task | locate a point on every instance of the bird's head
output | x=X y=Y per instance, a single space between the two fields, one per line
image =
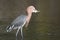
x=32 y=9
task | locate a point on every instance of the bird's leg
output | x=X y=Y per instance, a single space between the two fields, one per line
x=21 y=33
x=17 y=32
x=26 y=24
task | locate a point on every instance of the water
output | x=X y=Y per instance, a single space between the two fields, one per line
x=45 y=26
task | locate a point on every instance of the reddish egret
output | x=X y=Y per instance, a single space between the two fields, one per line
x=22 y=20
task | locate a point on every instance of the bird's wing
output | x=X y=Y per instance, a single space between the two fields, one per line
x=19 y=21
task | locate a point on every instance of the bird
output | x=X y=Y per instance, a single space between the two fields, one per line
x=21 y=21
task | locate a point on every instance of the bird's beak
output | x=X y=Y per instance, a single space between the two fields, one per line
x=35 y=11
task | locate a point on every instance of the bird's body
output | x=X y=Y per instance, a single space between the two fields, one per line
x=21 y=20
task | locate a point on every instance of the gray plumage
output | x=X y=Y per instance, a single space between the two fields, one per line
x=19 y=21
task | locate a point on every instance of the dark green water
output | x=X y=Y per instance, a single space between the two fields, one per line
x=44 y=26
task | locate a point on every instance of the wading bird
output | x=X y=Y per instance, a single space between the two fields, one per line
x=21 y=20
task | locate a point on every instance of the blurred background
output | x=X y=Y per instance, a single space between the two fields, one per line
x=43 y=26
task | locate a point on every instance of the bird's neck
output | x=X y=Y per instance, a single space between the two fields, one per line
x=28 y=19
x=29 y=16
